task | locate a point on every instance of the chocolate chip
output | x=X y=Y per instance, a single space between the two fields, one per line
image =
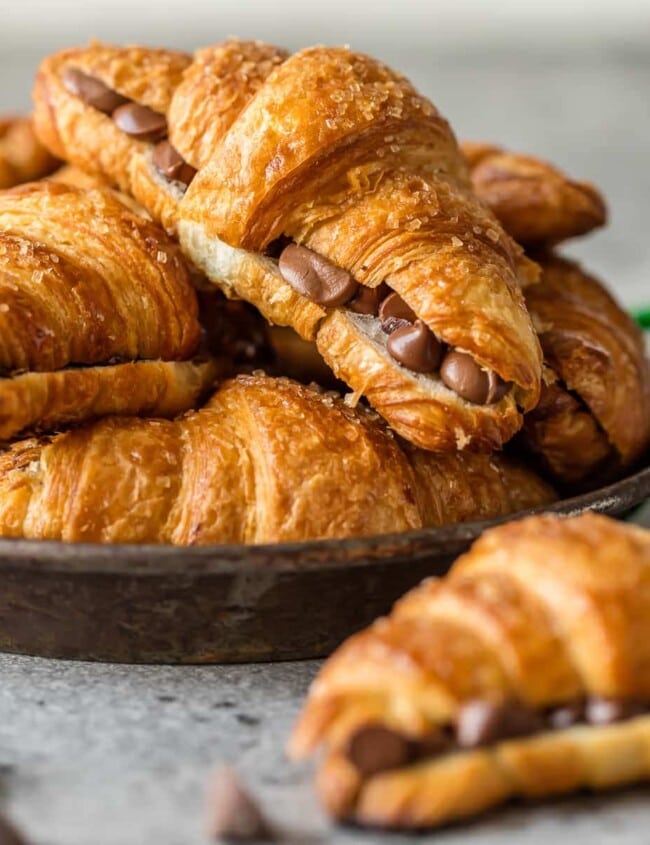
x=171 y=163
x=368 y=300
x=566 y=715
x=374 y=748
x=92 y=90
x=232 y=814
x=482 y=722
x=416 y=347
x=141 y=122
x=437 y=742
x=315 y=277
x=606 y=711
x=464 y=376
x=395 y=314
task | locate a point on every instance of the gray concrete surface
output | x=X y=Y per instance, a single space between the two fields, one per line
x=116 y=755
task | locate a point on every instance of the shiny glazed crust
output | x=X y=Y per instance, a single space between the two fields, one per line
x=48 y=401
x=535 y=202
x=225 y=474
x=22 y=157
x=89 y=139
x=365 y=172
x=85 y=280
x=361 y=169
x=594 y=417
x=546 y=610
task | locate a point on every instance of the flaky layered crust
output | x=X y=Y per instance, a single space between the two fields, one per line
x=226 y=474
x=83 y=280
x=365 y=172
x=594 y=417
x=536 y=203
x=545 y=610
x=22 y=157
x=42 y=401
x=359 y=168
x=97 y=312
x=200 y=96
x=88 y=138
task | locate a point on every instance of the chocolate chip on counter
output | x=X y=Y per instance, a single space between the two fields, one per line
x=171 y=163
x=368 y=300
x=315 y=277
x=482 y=722
x=9 y=835
x=232 y=814
x=464 y=376
x=607 y=711
x=395 y=314
x=92 y=90
x=375 y=748
x=566 y=715
x=416 y=347
x=141 y=122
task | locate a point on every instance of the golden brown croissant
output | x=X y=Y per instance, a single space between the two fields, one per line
x=84 y=282
x=266 y=460
x=364 y=179
x=535 y=202
x=22 y=157
x=593 y=419
x=524 y=672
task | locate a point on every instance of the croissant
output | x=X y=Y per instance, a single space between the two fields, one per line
x=22 y=157
x=345 y=212
x=84 y=282
x=524 y=672
x=536 y=202
x=593 y=420
x=266 y=460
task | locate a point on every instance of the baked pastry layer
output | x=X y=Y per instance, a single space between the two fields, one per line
x=593 y=420
x=525 y=671
x=361 y=173
x=536 y=202
x=22 y=157
x=266 y=460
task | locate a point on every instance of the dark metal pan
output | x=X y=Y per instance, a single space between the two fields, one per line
x=163 y=604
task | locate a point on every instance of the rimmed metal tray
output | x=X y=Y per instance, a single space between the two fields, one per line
x=163 y=604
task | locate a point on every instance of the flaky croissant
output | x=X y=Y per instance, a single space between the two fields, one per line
x=593 y=420
x=84 y=282
x=536 y=202
x=266 y=460
x=525 y=672
x=356 y=184
x=22 y=157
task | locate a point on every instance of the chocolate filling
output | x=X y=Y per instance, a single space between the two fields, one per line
x=480 y=723
x=411 y=342
x=134 y=119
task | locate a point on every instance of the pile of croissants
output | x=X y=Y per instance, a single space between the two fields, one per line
x=250 y=297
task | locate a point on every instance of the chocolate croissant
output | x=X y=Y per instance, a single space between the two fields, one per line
x=536 y=202
x=22 y=157
x=524 y=672
x=266 y=460
x=593 y=419
x=345 y=213
x=86 y=283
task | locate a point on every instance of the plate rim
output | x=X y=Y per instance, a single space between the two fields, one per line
x=151 y=559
